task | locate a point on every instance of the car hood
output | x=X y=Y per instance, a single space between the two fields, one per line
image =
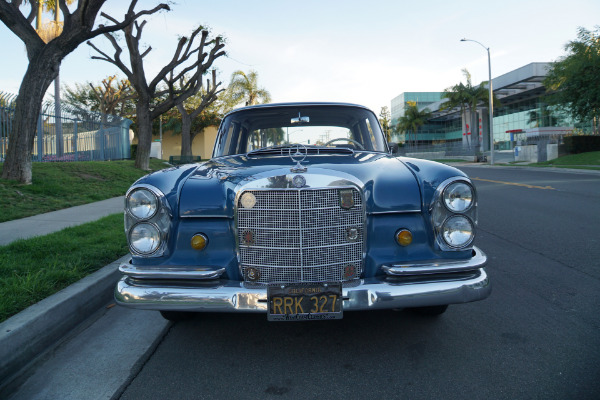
x=387 y=184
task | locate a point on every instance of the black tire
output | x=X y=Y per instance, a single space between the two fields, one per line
x=176 y=315
x=431 y=310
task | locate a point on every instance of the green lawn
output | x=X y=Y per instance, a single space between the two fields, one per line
x=60 y=185
x=33 y=269
x=591 y=158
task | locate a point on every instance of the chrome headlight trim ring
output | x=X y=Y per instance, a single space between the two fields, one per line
x=446 y=193
x=136 y=251
x=445 y=225
x=128 y=200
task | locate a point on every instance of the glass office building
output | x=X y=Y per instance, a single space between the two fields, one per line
x=521 y=114
x=421 y=99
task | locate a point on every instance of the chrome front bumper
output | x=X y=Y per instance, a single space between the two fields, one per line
x=456 y=282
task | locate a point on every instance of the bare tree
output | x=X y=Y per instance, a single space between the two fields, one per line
x=152 y=100
x=109 y=97
x=207 y=97
x=44 y=63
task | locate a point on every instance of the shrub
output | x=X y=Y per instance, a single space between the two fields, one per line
x=582 y=144
x=133 y=151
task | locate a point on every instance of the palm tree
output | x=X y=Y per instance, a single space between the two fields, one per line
x=243 y=88
x=467 y=97
x=412 y=120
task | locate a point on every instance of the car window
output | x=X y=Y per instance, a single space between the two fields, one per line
x=251 y=129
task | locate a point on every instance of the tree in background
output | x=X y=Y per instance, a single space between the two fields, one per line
x=44 y=63
x=467 y=98
x=385 y=120
x=243 y=88
x=574 y=80
x=153 y=100
x=192 y=108
x=412 y=120
x=112 y=96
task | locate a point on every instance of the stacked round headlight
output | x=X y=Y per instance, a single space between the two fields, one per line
x=142 y=204
x=146 y=223
x=458 y=231
x=144 y=238
x=458 y=197
x=454 y=214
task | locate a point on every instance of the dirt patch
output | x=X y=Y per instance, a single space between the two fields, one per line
x=88 y=176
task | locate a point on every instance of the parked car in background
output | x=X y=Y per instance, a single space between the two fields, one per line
x=302 y=214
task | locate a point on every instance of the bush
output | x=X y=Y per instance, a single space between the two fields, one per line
x=582 y=144
x=133 y=151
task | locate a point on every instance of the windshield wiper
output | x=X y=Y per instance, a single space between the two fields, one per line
x=277 y=149
x=283 y=150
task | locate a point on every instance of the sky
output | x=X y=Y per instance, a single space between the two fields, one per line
x=364 y=52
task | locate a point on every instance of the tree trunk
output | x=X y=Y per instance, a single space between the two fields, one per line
x=186 y=131
x=144 y=124
x=38 y=77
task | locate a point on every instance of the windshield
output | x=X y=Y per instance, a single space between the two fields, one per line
x=334 y=126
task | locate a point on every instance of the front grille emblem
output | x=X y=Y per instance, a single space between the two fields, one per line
x=346 y=199
x=351 y=234
x=248 y=238
x=299 y=181
x=248 y=200
x=252 y=274
x=349 y=271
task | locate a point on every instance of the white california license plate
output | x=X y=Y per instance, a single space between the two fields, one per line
x=304 y=301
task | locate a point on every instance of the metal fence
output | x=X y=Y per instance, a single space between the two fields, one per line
x=72 y=134
x=533 y=145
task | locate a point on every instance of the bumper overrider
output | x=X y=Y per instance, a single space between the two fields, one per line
x=403 y=285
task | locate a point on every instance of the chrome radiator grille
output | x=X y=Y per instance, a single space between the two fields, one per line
x=301 y=235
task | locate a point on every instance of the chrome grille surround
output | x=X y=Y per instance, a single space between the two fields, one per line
x=300 y=235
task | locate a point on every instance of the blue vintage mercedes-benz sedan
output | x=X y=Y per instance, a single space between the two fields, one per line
x=302 y=214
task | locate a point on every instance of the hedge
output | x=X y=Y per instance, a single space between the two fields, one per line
x=582 y=144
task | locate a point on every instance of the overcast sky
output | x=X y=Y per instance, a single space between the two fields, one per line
x=364 y=52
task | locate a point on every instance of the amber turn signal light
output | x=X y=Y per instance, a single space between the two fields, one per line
x=199 y=241
x=404 y=237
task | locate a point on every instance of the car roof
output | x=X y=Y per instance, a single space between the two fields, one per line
x=297 y=104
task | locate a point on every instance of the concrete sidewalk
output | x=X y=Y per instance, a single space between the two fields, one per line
x=31 y=364
x=43 y=224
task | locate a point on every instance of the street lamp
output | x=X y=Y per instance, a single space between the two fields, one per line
x=491 y=105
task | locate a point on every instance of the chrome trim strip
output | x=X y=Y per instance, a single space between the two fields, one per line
x=369 y=294
x=171 y=272
x=206 y=216
x=479 y=260
x=393 y=212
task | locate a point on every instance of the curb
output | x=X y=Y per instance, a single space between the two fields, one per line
x=27 y=335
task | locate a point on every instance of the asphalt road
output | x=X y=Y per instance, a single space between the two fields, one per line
x=536 y=337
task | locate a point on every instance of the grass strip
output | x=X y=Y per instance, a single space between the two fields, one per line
x=66 y=184
x=580 y=160
x=33 y=269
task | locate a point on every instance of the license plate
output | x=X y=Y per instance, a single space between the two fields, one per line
x=304 y=301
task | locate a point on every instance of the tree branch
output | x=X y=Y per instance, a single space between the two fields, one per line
x=117 y=57
x=21 y=26
x=129 y=18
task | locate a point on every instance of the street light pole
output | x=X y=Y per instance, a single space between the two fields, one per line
x=491 y=100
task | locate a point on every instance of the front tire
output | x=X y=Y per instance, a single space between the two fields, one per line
x=431 y=311
x=176 y=316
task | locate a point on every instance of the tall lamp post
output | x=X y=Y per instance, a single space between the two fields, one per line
x=491 y=101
